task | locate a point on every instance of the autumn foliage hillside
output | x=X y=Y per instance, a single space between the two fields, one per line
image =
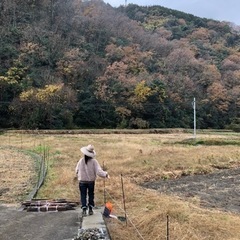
x=73 y=64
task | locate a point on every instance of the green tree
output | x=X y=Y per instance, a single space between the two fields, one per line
x=50 y=107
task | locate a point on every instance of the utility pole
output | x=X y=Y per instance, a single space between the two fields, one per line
x=194 y=118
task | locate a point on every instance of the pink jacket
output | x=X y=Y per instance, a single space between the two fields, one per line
x=89 y=171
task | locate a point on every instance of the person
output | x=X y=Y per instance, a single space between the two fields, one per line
x=87 y=170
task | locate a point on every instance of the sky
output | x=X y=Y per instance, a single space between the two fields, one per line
x=221 y=10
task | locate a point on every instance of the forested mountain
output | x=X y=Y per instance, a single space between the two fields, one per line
x=73 y=64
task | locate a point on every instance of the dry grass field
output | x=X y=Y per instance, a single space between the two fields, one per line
x=17 y=175
x=138 y=158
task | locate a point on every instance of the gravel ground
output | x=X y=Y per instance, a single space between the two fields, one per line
x=219 y=190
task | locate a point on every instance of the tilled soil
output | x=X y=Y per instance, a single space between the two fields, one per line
x=219 y=190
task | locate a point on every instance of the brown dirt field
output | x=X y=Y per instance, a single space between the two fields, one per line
x=17 y=175
x=219 y=190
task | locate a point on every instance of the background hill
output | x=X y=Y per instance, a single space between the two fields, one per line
x=68 y=64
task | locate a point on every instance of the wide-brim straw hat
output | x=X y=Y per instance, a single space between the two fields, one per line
x=88 y=151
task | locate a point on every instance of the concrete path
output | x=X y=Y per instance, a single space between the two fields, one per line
x=65 y=225
x=21 y=225
x=94 y=221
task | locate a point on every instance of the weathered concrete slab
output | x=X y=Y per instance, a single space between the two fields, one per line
x=95 y=221
x=15 y=224
x=63 y=225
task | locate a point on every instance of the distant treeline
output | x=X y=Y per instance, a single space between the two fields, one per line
x=68 y=64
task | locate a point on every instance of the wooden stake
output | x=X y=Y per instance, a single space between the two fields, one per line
x=168 y=227
x=104 y=188
x=124 y=202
